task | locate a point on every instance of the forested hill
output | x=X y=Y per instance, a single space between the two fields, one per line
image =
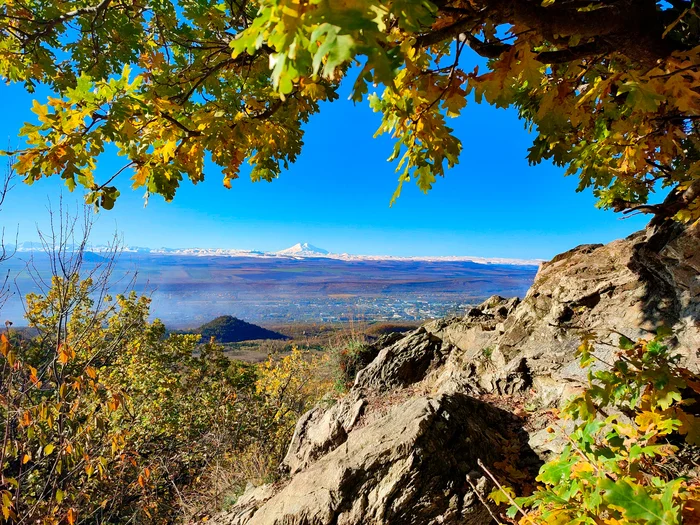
x=229 y=329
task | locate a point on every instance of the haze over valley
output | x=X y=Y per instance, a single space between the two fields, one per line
x=300 y=284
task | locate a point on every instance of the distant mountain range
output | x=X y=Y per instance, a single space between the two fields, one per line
x=298 y=251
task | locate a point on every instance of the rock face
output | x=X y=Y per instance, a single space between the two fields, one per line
x=407 y=466
x=402 y=446
x=405 y=362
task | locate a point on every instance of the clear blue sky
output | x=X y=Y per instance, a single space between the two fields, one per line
x=337 y=197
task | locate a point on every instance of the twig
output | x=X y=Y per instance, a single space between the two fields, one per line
x=483 y=501
x=500 y=487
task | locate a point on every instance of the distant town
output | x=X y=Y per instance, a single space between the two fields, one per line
x=181 y=312
x=300 y=284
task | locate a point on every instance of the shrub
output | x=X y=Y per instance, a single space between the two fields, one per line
x=618 y=466
x=105 y=420
x=347 y=359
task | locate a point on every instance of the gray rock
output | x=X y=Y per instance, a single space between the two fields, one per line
x=624 y=287
x=630 y=286
x=407 y=467
x=405 y=362
x=321 y=431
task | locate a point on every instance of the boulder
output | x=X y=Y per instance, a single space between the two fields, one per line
x=405 y=362
x=409 y=466
x=320 y=431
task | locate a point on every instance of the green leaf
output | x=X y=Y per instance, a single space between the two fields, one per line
x=625 y=343
x=555 y=471
x=663 y=331
x=640 y=96
x=635 y=503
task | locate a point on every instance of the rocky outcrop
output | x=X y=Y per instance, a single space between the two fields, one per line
x=399 y=447
x=408 y=466
x=405 y=362
x=629 y=287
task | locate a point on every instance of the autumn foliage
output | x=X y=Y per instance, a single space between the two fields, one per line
x=107 y=420
x=609 y=87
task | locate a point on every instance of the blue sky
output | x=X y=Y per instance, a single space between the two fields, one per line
x=337 y=197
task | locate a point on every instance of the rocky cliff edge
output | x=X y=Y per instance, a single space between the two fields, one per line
x=402 y=446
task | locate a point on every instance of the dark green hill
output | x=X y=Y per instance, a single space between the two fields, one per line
x=229 y=329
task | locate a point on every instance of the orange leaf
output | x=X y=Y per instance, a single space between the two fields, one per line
x=71 y=516
x=33 y=377
x=65 y=354
x=4 y=344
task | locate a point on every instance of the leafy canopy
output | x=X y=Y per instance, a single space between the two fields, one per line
x=610 y=87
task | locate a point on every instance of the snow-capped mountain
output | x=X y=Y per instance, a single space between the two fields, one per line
x=208 y=252
x=299 y=250
x=303 y=250
x=26 y=246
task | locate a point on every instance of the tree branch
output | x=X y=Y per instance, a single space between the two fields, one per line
x=463 y=25
x=51 y=24
x=562 y=56
x=177 y=123
x=630 y=27
x=484 y=49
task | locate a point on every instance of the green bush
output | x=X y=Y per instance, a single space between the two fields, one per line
x=347 y=359
x=619 y=465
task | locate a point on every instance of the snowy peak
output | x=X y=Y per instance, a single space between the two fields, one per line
x=299 y=251
x=303 y=250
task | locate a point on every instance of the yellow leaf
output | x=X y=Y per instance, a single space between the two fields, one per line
x=4 y=345
x=502 y=495
x=41 y=110
x=141 y=176
x=48 y=449
x=647 y=420
x=581 y=467
x=168 y=150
